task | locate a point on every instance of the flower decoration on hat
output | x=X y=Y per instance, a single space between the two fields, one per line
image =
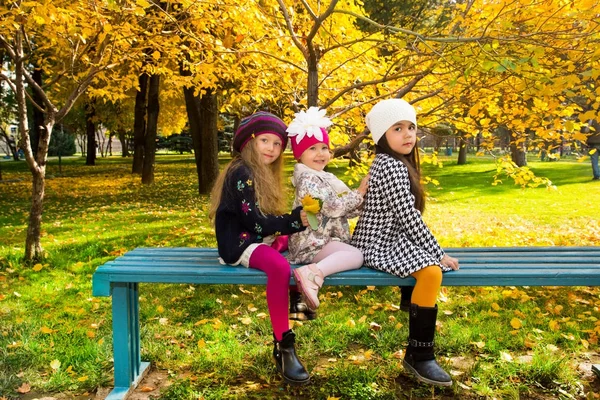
x=309 y=123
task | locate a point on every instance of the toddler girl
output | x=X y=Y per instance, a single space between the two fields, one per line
x=326 y=247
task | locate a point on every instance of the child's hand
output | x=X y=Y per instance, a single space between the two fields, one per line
x=450 y=262
x=364 y=185
x=304 y=218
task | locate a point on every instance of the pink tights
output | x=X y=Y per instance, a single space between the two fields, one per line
x=338 y=256
x=277 y=268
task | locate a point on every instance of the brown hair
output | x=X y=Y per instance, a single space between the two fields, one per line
x=411 y=160
x=267 y=181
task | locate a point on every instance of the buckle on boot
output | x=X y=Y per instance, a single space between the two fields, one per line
x=415 y=343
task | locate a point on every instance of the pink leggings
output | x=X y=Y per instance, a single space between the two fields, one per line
x=337 y=257
x=278 y=270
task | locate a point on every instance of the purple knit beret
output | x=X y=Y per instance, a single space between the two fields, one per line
x=257 y=124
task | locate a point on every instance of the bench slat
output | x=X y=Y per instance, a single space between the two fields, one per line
x=486 y=266
x=463 y=260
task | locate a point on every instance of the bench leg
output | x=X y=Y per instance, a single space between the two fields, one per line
x=129 y=369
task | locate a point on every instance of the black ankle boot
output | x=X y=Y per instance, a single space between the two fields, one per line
x=405 y=297
x=419 y=358
x=299 y=311
x=288 y=365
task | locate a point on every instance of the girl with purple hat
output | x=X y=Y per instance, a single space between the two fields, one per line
x=247 y=207
x=325 y=247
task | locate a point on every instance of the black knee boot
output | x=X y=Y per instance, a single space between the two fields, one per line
x=299 y=311
x=405 y=297
x=287 y=362
x=419 y=358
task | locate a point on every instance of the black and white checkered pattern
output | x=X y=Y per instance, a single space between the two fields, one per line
x=390 y=232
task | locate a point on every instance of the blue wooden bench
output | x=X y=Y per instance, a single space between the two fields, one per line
x=516 y=266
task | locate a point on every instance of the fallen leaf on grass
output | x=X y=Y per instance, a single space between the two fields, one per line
x=374 y=326
x=24 y=388
x=516 y=323
x=246 y=321
x=146 y=389
x=55 y=365
x=552 y=347
x=505 y=356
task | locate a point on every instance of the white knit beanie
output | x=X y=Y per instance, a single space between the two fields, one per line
x=386 y=113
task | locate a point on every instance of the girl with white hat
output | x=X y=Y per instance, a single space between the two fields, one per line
x=393 y=236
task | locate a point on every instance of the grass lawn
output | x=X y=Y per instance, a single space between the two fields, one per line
x=214 y=342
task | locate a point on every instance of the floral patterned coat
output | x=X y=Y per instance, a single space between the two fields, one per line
x=337 y=207
x=239 y=222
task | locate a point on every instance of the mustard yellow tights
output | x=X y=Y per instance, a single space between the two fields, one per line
x=429 y=280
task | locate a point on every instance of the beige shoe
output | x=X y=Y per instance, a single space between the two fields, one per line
x=309 y=280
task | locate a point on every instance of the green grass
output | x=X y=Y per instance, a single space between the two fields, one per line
x=55 y=337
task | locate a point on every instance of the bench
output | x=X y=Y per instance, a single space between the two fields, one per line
x=490 y=266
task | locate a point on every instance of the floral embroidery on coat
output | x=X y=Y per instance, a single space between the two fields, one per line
x=246 y=207
x=243 y=237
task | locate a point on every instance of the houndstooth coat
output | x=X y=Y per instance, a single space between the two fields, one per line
x=390 y=232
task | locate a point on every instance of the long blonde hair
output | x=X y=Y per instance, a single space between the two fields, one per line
x=267 y=181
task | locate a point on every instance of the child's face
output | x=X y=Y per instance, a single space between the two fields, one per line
x=269 y=146
x=402 y=137
x=316 y=157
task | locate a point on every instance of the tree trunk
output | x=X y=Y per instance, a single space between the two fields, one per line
x=209 y=167
x=139 y=125
x=90 y=128
x=517 y=153
x=313 y=82
x=124 y=144
x=37 y=115
x=11 y=145
x=151 y=130
x=202 y=116
x=110 y=139
x=33 y=246
x=462 y=150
